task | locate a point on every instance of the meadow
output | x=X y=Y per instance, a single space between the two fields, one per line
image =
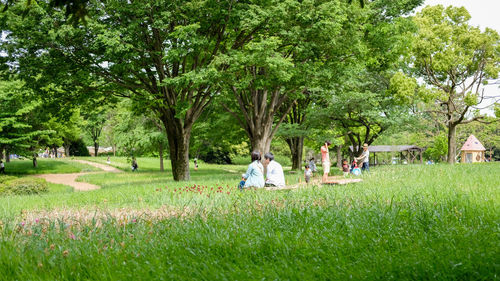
x=411 y=222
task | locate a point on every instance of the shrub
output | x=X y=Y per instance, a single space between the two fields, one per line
x=6 y=179
x=78 y=148
x=24 y=186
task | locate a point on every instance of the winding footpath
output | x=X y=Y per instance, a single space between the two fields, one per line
x=70 y=179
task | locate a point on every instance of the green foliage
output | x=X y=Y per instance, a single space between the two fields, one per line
x=4 y=178
x=19 y=117
x=78 y=148
x=439 y=148
x=24 y=186
x=214 y=155
x=402 y=88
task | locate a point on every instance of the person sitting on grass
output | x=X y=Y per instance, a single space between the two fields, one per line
x=355 y=169
x=254 y=177
x=307 y=173
x=242 y=182
x=274 y=176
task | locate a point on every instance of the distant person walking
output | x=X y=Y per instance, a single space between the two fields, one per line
x=274 y=175
x=254 y=177
x=325 y=160
x=134 y=165
x=365 y=158
x=2 y=167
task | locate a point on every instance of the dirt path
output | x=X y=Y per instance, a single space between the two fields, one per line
x=70 y=179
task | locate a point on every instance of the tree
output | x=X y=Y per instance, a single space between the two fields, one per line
x=264 y=79
x=20 y=125
x=294 y=129
x=158 y=54
x=94 y=119
x=454 y=59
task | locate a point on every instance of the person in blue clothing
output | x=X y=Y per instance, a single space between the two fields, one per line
x=254 y=177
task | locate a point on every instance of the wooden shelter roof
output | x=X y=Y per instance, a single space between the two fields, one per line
x=390 y=148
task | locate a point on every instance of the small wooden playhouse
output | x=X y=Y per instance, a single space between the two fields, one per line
x=472 y=151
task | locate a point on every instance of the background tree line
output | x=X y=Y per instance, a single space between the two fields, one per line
x=215 y=79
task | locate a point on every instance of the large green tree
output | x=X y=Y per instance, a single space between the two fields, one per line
x=264 y=79
x=454 y=59
x=158 y=53
x=21 y=125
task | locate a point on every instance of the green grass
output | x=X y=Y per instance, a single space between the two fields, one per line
x=46 y=166
x=414 y=222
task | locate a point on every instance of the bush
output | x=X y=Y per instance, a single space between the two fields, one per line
x=215 y=156
x=24 y=186
x=6 y=179
x=78 y=148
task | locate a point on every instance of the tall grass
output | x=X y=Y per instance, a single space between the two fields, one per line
x=436 y=222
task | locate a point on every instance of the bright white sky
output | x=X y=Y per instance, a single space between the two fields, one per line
x=484 y=13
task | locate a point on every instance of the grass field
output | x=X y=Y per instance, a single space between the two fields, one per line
x=435 y=222
x=46 y=166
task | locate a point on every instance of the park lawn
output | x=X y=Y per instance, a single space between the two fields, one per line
x=46 y=166
x=413 y=222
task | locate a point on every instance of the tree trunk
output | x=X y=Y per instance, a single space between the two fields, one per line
x=1 y=153
x=339 y=156
x=66 y=150
x=179 y=156
x=261 y=143
x=160 y=150
x=7 y=155
x=96 y=148
x=296 y=146
x=178 y=135
x=452 y=143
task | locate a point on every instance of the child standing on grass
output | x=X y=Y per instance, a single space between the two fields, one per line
x=307 y=174
x=242 y=182
x=2 y=167
x=345 y=168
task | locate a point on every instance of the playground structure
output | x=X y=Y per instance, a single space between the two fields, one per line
x=472 y=151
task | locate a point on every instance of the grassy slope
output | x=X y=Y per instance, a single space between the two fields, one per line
x=46 y=166
x=404 y=222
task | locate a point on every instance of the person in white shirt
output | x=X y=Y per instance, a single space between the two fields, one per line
x=365 y=158
x=274 y=175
